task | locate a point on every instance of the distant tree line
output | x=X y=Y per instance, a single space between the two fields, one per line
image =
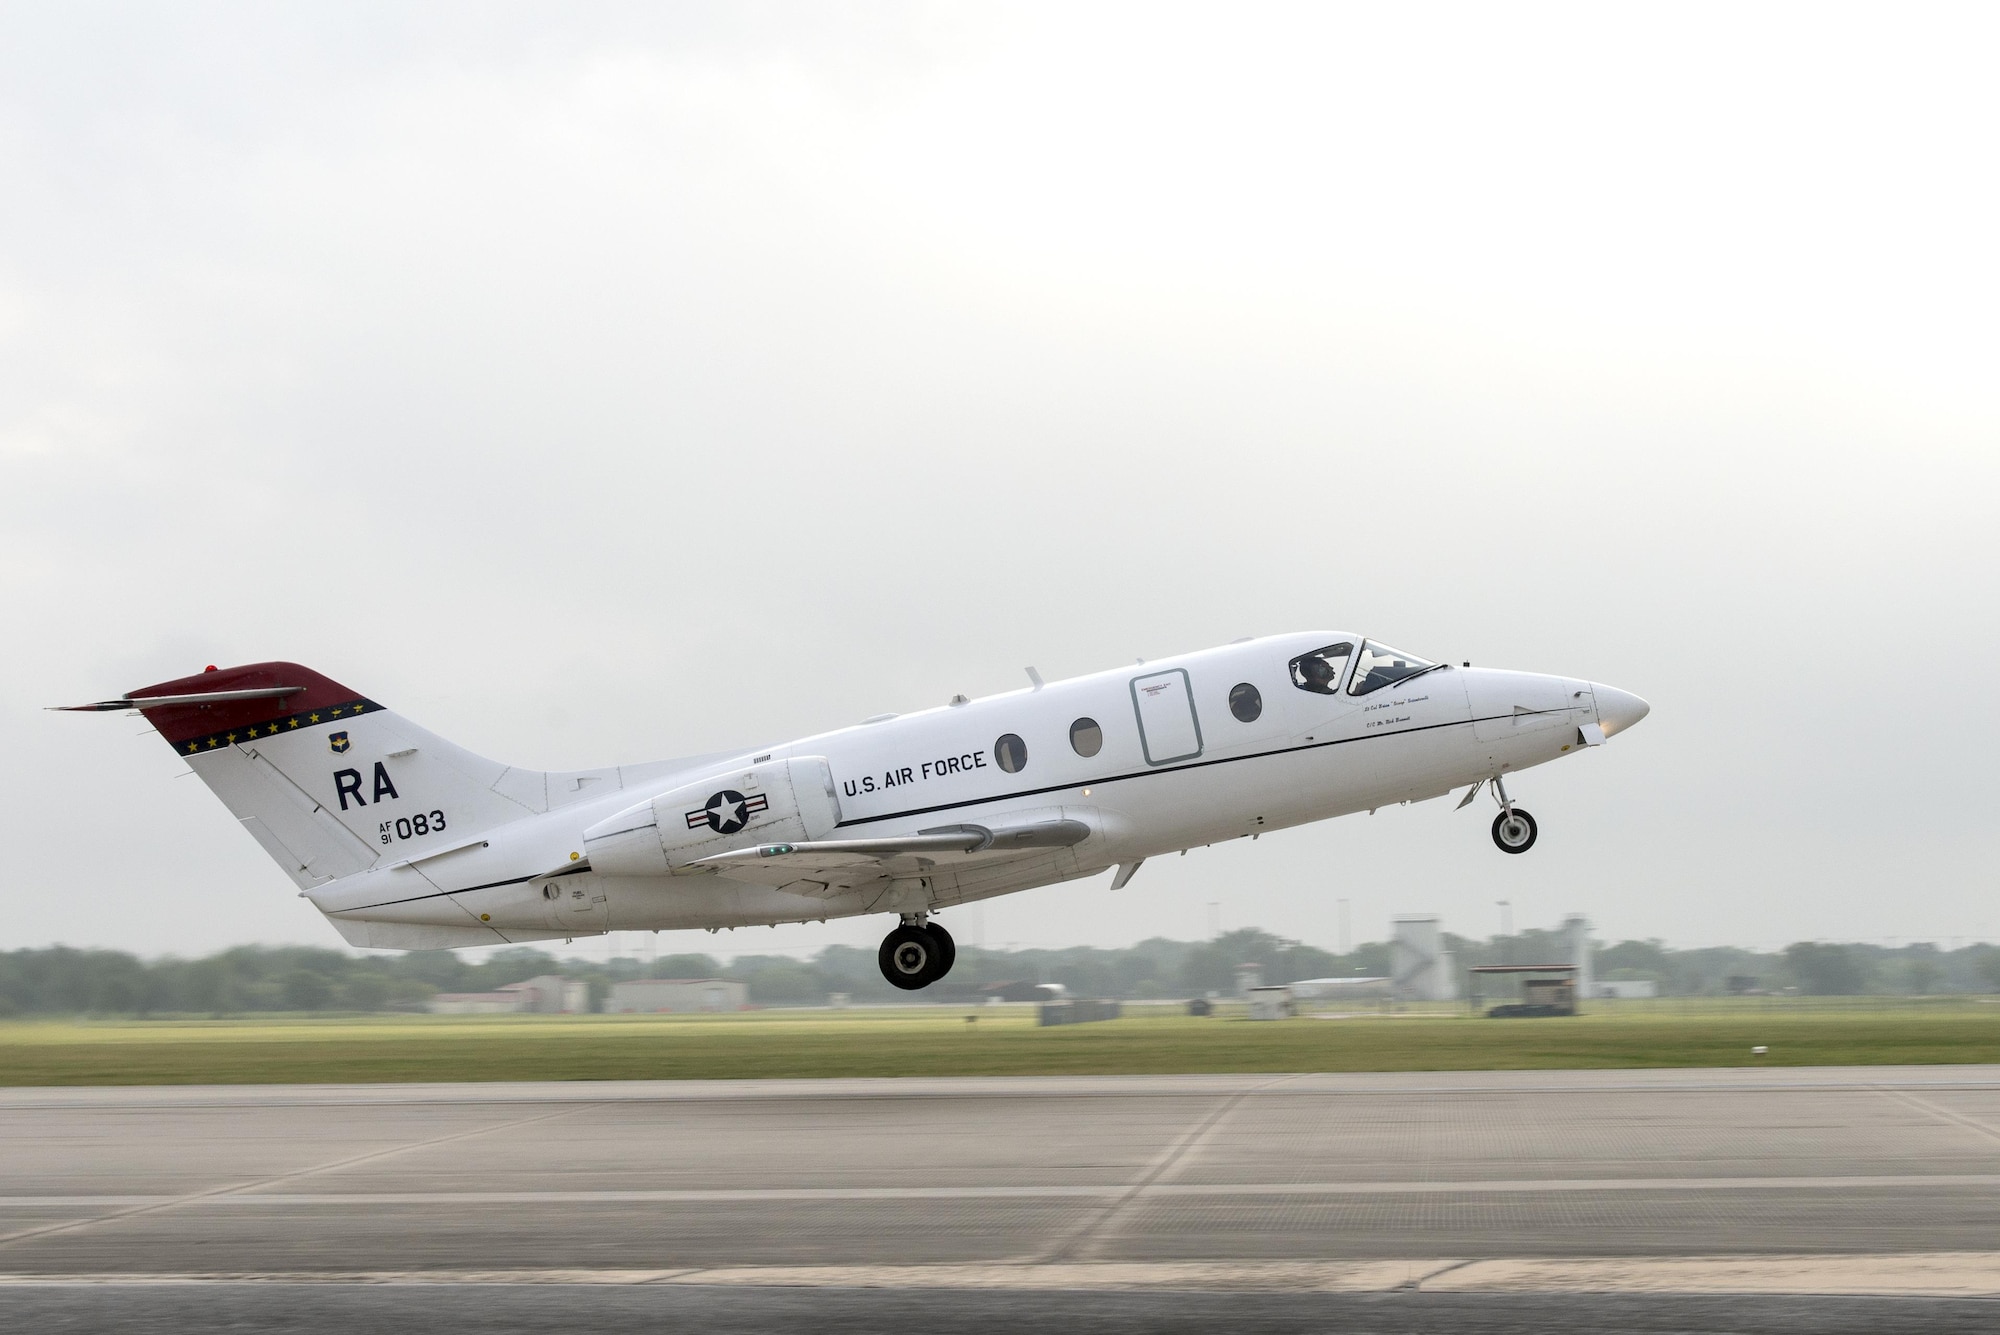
x=249 y=979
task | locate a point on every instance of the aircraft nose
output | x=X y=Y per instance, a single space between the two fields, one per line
x=1617 y=710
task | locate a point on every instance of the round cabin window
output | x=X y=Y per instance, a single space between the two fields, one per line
x=1011 y=752
x=1085 y=737
x=1245 y=703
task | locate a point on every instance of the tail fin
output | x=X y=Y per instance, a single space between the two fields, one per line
x=326 y=779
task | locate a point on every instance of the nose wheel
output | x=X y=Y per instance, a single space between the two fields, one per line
x=1513 y=829
x=917 y=954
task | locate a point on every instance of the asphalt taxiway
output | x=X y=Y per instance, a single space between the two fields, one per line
x=1739 y=1187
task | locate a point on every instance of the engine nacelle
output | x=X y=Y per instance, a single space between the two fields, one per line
x=783 y=801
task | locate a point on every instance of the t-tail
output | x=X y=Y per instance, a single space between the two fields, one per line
x=327 y=780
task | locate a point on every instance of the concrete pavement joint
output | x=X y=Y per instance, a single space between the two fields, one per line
x=1942 y=1114
x=1117 y=1193
x=1322 y=1083
x=239 y=1188
x=1419 y=1281
x=1086 y=1240
x=1914 y=1274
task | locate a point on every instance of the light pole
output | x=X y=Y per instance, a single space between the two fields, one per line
x=1346 y=944
x=1507 y=927
x=1214 y=919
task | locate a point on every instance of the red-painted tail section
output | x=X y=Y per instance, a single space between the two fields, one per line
x=194 y=728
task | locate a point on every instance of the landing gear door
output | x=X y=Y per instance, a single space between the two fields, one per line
x=1168 y=728
x=578 y=903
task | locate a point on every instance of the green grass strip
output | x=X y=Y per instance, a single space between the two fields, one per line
x=939 y=1041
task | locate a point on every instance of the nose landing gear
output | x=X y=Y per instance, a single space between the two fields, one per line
x=917 y=953
x=1514 y=830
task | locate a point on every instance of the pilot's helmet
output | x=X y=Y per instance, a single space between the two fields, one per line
x=1316 y=670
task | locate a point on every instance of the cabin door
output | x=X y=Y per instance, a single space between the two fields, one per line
x=1168 y=728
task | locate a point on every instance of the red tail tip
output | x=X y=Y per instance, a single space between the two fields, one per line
x=209 y=668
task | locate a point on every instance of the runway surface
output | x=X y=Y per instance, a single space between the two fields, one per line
x=1382 y=1194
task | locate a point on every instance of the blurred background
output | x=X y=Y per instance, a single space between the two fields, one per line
x=608 y=382
x=1631 y=978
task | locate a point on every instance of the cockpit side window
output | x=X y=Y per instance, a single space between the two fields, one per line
x=1319 y=671
x=1380 y=666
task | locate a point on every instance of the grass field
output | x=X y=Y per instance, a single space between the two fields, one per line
x=940 y=1041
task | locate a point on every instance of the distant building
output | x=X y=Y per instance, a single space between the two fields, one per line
x=1022 y=990
x=675 y=996
x=1078 y=1010
x=552 y=994
x=1328 y=989
x=1420 y=968
x=1578 y=929
x=1271 y=1003
x=1637 y=989
x=475 y=1003
x=547 y=994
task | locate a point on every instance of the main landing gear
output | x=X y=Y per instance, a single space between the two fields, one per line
x=1513 y=829
x=917 y=953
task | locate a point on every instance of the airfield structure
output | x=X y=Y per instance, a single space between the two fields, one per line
x=1420 y=968
x=1272 y=1003
x=663 y=996
x=1548 y=989
x=1577 y=928
x=544 y=994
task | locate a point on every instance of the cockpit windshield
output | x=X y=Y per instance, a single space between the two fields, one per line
x=1319 y=671
x=1381 y=666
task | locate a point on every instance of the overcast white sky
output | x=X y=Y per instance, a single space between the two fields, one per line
x=602 y=383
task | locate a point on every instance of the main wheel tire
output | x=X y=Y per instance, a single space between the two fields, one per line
x=1514 y=833
x=947 y=948
x=909 y=957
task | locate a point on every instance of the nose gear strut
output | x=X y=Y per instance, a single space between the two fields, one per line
x=1514 y=830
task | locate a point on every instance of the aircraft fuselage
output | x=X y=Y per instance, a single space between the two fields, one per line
x=1180 y=756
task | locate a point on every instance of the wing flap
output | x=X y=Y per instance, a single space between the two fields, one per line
x=846 y=862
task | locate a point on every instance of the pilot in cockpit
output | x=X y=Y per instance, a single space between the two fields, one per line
x=1319 y=671
x=1318 y=674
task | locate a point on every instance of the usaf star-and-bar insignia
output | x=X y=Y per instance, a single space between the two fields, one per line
x=727 y=812
x=336 y=742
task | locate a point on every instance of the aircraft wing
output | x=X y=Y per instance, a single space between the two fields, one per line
x=822 y=866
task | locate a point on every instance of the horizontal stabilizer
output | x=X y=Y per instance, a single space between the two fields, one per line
x=162 y=701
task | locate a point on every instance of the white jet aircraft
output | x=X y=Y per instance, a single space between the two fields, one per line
x=405 y=841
